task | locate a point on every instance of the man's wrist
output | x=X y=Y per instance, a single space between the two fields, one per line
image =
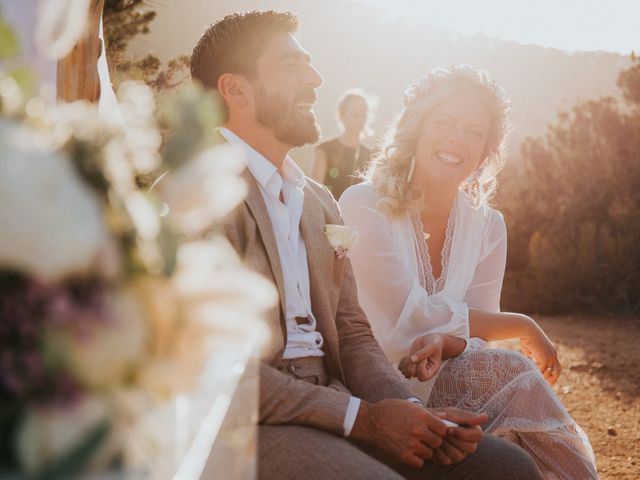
x=361 y=425
x=350 y=415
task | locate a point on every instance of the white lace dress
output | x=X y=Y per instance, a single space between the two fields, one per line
x=403 y=300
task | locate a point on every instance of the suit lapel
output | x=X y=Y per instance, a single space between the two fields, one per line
x=320 y=259
x=256 y=204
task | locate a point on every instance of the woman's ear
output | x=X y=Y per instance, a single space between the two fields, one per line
x=235 y=89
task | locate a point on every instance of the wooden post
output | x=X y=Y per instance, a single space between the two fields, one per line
x=77 y=73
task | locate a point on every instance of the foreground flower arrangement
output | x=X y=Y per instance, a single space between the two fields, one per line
x=115 y=289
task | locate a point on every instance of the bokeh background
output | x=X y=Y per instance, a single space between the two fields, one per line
x=570 y=189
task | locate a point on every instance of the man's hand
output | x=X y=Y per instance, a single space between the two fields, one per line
x=462 y=440
x=406 y=432
x=424 y=358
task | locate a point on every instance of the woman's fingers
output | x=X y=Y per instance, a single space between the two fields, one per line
x=552 y=370
x=407 y=368
x=424 y=353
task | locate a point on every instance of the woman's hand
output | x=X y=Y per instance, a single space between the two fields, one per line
x=424 y=358
x=537 y=346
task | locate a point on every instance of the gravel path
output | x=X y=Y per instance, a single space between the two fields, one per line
x=600 y=386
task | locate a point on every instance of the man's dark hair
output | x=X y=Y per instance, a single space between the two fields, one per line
x=233 y=44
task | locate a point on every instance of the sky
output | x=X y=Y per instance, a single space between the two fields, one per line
x=572 y=25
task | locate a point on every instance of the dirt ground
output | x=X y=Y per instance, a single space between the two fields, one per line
x=600 y=386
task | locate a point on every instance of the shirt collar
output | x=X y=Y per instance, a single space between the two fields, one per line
x=261 y=168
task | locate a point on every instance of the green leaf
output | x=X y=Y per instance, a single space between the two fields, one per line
x=9 y=45
x=25 y=78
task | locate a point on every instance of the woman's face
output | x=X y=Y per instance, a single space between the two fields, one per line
x=453 y=140
x=354 y=116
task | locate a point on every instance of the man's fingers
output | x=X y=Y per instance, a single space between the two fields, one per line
x=452 y=452
x=472 y=434
x=463 y=446
x=412 y=459
x=424 y=451
x=441 y=458
x=428 y=437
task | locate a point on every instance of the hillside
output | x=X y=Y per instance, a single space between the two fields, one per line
x=354 y=44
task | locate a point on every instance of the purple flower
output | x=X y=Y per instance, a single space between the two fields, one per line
x=28 y=307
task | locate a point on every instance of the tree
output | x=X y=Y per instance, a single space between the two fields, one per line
x=573 y=210
x=122 y=21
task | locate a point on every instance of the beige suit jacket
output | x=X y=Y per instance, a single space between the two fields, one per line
x=353 y=357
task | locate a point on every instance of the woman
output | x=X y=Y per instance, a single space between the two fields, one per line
x=338 y=160
x=430 y=263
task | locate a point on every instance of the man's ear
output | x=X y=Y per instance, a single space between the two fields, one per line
x=235 y=89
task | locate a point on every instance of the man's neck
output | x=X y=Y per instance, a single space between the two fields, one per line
x=262 y=141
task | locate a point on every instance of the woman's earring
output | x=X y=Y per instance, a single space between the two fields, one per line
x=474 y=190
x=412 y=167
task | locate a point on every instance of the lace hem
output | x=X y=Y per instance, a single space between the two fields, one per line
x=521 y=405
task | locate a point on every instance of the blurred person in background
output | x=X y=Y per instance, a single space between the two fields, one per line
x=338 y=160
x=430 y=263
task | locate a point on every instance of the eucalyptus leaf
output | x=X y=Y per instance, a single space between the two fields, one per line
x=25 y=78
x=73 y=462
x=9 y=44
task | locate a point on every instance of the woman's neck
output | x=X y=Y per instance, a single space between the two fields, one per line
x=439 y=199
x=350 y=139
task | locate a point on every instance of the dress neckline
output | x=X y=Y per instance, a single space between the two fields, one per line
x=425 y=271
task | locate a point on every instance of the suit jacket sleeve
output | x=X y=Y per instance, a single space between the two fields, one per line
x=367 y=371
x=285 y=400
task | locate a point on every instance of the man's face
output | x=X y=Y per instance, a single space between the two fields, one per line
x=285 y=91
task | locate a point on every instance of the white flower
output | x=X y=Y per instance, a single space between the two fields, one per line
x=342 y=238
x=139 y=134
x=61 y=24
x=48 y=433
x=52 y=223
x=217 y=290
x=79 y=119
x=204 y=190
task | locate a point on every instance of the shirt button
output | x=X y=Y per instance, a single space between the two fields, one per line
x=292 y=368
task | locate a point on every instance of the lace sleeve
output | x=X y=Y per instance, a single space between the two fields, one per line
x=397 y=306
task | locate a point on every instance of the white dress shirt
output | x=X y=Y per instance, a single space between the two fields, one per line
x=283 y=196
x=302 y=340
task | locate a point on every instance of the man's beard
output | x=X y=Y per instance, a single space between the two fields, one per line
x=276 y=113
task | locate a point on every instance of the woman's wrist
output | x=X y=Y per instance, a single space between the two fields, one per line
x=452 y=346
x=525 y=325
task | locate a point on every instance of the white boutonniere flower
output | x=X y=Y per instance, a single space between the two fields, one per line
x=342 y=238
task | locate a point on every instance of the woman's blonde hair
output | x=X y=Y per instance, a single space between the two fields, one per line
x=389 y=169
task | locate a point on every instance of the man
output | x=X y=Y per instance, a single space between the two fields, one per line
x=331 y=406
